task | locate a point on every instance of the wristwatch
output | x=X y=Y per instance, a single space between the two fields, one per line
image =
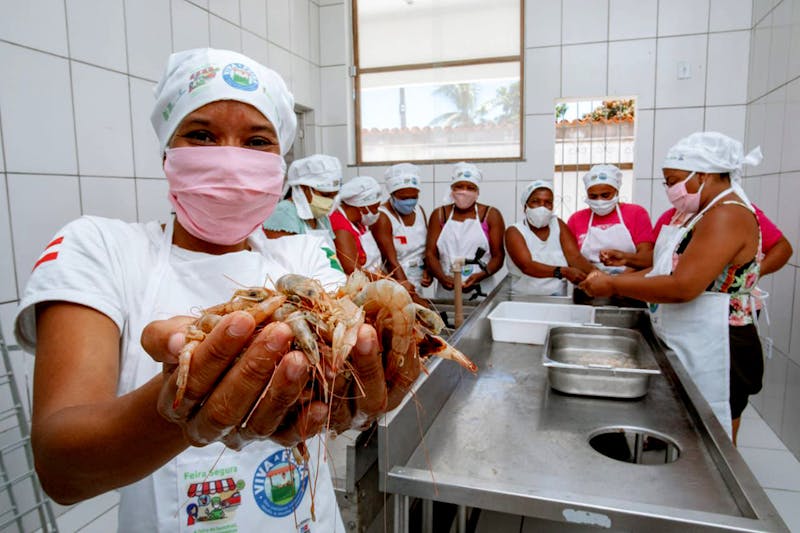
x=557 y=273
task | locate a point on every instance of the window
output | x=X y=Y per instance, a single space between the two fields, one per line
x=437 y=80
x=591 y=132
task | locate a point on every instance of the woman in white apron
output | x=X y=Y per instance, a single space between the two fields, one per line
x=356 y=248
x=465 y=229
x=703 y=274
x=97 y=311
x=313 y=183
x=601 y=230
x=401 y=230
x=542 y=253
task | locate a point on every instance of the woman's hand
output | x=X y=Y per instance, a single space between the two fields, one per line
x=427 y=279
x=447 y=282
x=572 y=274
x=598 y=284
x=472 y=281
x=613 y=257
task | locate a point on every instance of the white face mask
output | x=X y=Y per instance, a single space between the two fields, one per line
x=369 y=218
x=602 y=207
x=538 y=217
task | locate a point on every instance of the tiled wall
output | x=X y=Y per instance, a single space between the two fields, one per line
x=773 y=121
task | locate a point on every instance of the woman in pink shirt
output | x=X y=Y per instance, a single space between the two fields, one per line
x=612 y=235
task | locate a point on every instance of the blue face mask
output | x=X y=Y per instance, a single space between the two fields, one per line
x=404 y=207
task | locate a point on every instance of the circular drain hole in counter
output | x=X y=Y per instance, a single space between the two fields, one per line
x=636 y=446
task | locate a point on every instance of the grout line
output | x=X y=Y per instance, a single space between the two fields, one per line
x=74 y=113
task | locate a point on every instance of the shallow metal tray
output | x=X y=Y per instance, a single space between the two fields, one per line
x=598 y=361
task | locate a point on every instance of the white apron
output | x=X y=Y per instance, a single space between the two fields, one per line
x=548 y=252
x=260 y=488
x=409 y=244
x=697 y=331
x=322 y=232
x=462 y=239
x=616 y=237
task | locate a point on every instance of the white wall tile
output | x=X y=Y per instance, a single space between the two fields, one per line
x=632 y=70
x=146 y=151
x=794 y=50
x=790 y=156
x=780 y=45
x=673 y=51
x=314 y=90
x=584 y=21
x=632 y=19
x=761 y=8
x=278 y=27
x=332 y=41
x=772 y=145
x=329 y=2
x=769 y=192
x=540 y=135
x=426 y=198
x=643 y=145
x=334 y=96
x=498 y=172
x=200 y=3
x=58 y=202
x=680 y=17
x=583 y=70
x=149 y=35
x=300 y=27
x=441 y=173
x=152 y=201
x=729 y=120
x=774 y=389
x=8 y=286
x=102 y=121
x=502 y=195
x=670 y=126
x=189 y=26
x=2 y=157
x=226 y=9
x=301 y=74
x=542 y=22
x=280 y=61
x=790 y=429
x=335 y=143
x=224 y=35
x=643 y=195
x=728 y=54
x=109 y=197
x=39 y=24
x=7 y=313
x=255 y=47
x=759 y=60
x=731 y=15
x=788 y=216
x=542 y=79
x=36 y=109
x=313 y=34
x=794 y=346
x=254 y=16
x=97 y=32
x=755 y=129
x=780 y=308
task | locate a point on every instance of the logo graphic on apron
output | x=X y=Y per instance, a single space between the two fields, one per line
x=212 y=500
x=279 y=484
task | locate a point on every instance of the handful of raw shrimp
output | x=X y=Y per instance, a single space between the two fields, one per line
x=325 y=326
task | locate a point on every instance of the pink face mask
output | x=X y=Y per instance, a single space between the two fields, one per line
x=682 y=200
x=221 y=194
x=464 y=199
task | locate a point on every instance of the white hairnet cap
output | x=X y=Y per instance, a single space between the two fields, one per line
x=603 y=175
x=466 y=172
x=712 y=152
x=194 y=78
x=402 y=176
x=320 y=171
x=532 y=186
x=361 y=191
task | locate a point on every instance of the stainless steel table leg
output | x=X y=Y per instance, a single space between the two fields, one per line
x=462 y=519
x=401 y=513
x=427 y=516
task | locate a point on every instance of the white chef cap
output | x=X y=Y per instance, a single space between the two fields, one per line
x=466 y=172
x=361 y=191
x=532 y=186
x=402 y=176
x=603 y=175
x=712 y=152
x=194 y=78
x=320 y=171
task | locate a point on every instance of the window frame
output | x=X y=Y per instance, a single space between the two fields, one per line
x=356 y=72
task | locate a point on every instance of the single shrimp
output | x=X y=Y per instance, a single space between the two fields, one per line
x=430 y=345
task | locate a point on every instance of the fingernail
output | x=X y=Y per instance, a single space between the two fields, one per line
x=275 y=342
x=176 y=343
x=318 y=413
x=365 y=347
x=296 y=369
x=238 y=327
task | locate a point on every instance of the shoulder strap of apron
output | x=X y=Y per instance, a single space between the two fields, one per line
x=695 y=219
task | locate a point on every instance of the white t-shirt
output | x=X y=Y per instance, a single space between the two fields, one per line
x=111 y=266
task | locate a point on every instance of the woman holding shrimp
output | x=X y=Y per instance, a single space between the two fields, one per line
x=104 y=315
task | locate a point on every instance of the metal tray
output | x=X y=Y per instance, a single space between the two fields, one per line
x=598 y=361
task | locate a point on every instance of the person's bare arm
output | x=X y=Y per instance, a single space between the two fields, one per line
x=776 y=257
x=497 y=229
x=432 y=253
x=276 y=234
x=346 y=250
x=382 y=231
x=518 y=251
x=569 y=245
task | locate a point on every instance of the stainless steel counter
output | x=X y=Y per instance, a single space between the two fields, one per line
x=504 y=441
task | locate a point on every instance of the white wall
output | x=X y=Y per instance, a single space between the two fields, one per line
x=773 y=122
